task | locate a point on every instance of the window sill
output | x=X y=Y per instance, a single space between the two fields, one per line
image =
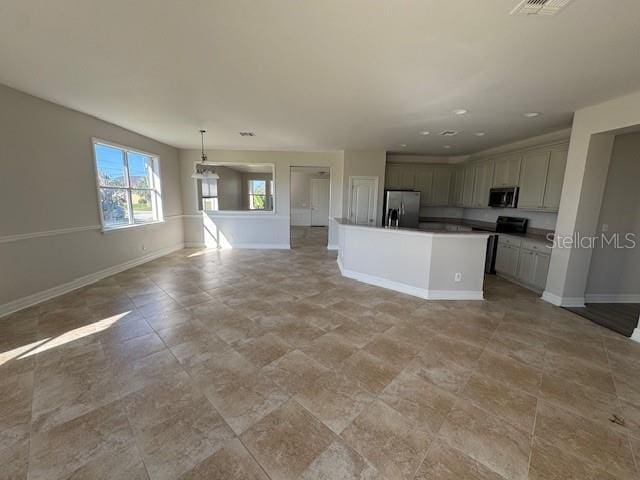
x=131 y=226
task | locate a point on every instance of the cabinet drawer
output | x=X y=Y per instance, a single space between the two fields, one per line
x=509 y=240
x=536 y=246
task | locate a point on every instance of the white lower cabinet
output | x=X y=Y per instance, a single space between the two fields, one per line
x=527 y=262
x=507 y=259
x=540 y=270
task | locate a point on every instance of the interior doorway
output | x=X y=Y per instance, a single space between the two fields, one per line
x=612 y=293
x=310 y=206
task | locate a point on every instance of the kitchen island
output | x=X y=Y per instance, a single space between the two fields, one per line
x=435 y=265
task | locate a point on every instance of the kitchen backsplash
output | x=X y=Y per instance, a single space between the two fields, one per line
x=542 y=220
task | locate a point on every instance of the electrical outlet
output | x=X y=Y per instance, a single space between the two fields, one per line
x=605 y=227
x=457 y=277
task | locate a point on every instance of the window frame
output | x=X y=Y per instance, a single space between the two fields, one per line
x=266 y=194
x=155 y=190
x=202 y=197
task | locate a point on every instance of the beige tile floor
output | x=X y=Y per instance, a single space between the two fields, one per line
x=269 y=364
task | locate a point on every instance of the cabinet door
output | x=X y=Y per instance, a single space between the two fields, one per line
x=482 y=185
x=441 y=186
x=526 y=266
x=555 y=178
x=467 y=190
x=533 y=180
x=507 y=259
x=393 y=178
x=458 y=187
x=408 y=177
x=424 y=183
x=507 y=171
x=540 y=270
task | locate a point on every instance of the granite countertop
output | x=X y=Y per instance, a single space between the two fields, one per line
x=537 y=234
x=410 y=231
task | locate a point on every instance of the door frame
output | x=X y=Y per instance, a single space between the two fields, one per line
x=328 y=180
x=375 y=197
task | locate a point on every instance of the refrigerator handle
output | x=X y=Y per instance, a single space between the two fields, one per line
x=402 y=208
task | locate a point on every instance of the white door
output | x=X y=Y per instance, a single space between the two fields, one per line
x=319 y=202
x=363 y=201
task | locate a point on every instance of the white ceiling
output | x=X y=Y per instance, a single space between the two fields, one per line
x=323 y=74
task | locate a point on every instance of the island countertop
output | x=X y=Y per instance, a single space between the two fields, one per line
x=437 y=265
x=412 y=231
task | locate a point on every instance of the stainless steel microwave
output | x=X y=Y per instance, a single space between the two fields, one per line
x=506 y=197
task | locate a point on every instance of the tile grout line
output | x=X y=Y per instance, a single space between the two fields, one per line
x=628 y=434
x=532 y=437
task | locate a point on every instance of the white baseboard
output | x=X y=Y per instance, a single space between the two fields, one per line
x=237 y=246
x=612 y=298
x=332 y=247
x=455 y=295
x=262 y=246
x=194 y=245
x=80 y=282
x=409 y=289
x=571 y=302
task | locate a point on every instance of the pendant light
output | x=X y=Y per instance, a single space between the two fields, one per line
x=204 y=171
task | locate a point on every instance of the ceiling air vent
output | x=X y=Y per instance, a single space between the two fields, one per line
x=448 y=133
x=540 y=7
x=247 y=134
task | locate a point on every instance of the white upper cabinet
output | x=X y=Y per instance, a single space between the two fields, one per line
x=458 y=187
x=507 y=171
x=533 y=179
x=424 y=183
x=541 y=180
x=392 y=179
x=441 y=186
x=482 y=184
x=400 y=176
x=408 y=177
x=555 y=179
x=433 y=181
x=467 y=190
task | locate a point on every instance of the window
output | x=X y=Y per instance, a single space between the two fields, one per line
x=128 y=186
x=208 y=194
x=257 y=194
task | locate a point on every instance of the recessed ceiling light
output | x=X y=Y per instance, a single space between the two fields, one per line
x=402 y=145
x=425 y=133
x=447 y=146
x=460 y=111
x=480 y=134
x=531 y=114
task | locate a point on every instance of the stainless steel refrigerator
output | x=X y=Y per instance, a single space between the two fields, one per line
x=402 y=208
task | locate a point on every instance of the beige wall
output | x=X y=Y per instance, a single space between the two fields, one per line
x=47 y=183
x=301 y=188
x=590 y=150
x=617 y=271
x=274 y=227
x=229 y=189
x=365 y=163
